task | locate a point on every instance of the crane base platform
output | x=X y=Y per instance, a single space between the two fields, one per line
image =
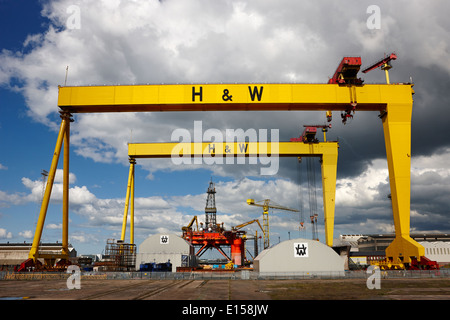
x=423 y=264
x=404 y=249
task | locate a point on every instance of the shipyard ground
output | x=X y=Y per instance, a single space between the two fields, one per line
x=226 y=290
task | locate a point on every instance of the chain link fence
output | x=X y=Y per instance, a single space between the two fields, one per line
x=237 y=275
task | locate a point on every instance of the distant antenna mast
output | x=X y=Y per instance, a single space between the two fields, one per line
x=67 y=71
x=44 y=174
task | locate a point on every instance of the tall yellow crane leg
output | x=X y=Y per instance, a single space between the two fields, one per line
x=397 y=135
x=129 y=202
x=65 y=208
x=329 y=172
x=63 y=135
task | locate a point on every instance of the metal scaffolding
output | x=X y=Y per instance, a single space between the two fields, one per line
x=119 y=256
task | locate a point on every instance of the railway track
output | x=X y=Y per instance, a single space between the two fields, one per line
x=156 y=291
x=157 y=287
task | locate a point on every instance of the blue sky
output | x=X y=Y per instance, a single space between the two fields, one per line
x=124 y=42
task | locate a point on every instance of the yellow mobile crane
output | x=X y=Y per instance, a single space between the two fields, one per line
x=189 y=226
x=242 y=225
x=265 y=204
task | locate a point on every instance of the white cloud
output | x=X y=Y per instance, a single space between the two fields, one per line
x=37 y=187
x=27 y=234
x=85 y=238
x=5 y=234
x=126 y=42
x=363 y=189
x=7 y=199
x=437 y=162
x=54 y=226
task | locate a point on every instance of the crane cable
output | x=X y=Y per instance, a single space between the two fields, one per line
x=300 y=199
x=311 y=171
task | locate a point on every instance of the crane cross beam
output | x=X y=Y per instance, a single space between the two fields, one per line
x=227 y=97
x=233 y=149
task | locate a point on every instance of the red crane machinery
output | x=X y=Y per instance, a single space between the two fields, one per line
x=383 y=64
x=309 y=133
x=347 y=71
x=346 y=74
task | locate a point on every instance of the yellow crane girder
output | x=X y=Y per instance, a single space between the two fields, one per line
x=230 y=97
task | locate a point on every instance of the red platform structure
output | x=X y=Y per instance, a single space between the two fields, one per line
x=213 y=235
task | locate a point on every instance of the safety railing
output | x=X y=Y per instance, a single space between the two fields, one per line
x=238 y=275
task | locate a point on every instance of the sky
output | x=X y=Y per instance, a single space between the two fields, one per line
x=175 y=41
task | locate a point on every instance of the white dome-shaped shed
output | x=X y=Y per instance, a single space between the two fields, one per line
x=299 y=256
x=161 y=248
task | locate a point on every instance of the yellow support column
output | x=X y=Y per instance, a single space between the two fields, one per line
x=132 y=204
x=329 y=172
x=65 y=220
x=127 y=199
x=397 y=134
x=33 y=254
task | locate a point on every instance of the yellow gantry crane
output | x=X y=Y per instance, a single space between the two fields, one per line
x=266 y=205
x=326 y=151
x=393 y=102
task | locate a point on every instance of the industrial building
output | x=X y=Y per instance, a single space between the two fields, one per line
x=299 y=255
x=13 y=254
x=366 y=248
x=163 y=248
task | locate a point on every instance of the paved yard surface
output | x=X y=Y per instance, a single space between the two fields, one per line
x=348 y=289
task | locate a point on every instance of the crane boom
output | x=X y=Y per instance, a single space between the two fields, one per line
x=253 y=203
x=385 y=65
x=380 y=63
x=242 y=225
x=189 y=226
x=266 y=205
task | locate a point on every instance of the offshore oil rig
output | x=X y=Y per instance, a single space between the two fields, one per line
x=212 y=235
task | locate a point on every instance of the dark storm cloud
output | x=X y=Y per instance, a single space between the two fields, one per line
x=126 y=42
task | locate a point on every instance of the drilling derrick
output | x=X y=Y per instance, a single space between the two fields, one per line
x=210 y=209
x=214 y=236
